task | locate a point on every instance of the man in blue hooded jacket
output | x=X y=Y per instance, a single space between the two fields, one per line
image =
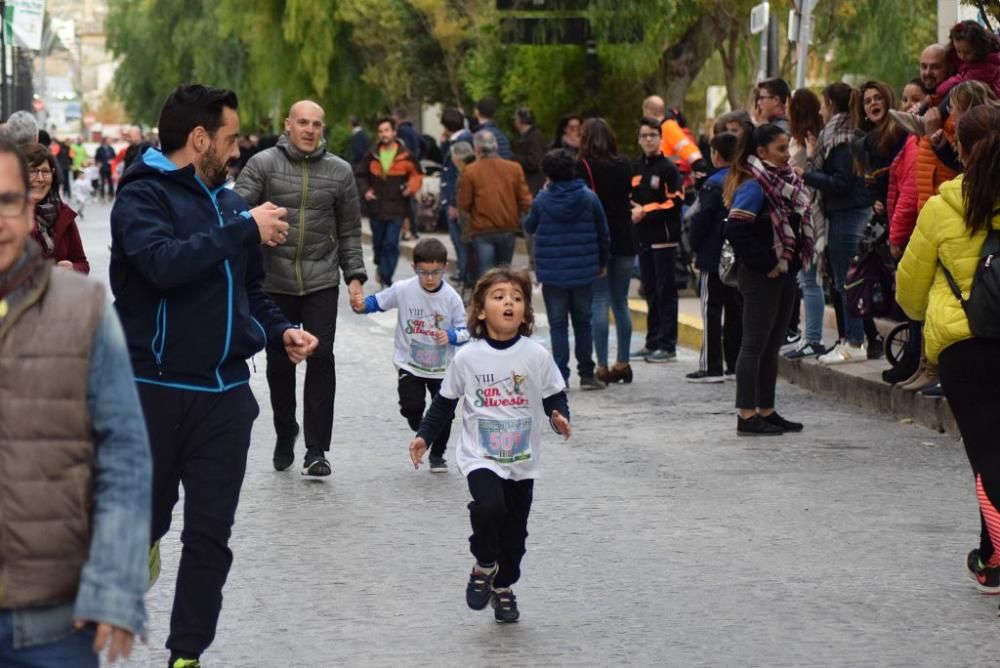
x=186 y=272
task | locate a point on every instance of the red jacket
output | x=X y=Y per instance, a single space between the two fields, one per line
x=986 y=70
x=68 y=245
x=902 y=202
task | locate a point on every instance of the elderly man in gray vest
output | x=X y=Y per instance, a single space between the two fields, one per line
x=74 y=457
x=304 y=272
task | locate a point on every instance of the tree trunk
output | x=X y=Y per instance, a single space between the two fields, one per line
x=729 y=51
x=681 y=62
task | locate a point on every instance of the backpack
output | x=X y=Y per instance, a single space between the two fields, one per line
x=869 y=287
x=982 y=308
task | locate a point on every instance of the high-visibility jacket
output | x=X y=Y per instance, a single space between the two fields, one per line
x=678 y=144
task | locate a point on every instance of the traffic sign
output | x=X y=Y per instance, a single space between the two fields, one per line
x=759 y=17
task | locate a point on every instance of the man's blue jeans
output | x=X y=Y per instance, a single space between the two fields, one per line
x=815 y=304
x=75 y=650
x=561 y=306
x=612 y=290
x=455 y=233
x=492 y=250
x=385 y=246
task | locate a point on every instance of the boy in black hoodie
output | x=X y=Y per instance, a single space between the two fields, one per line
x=657 y=197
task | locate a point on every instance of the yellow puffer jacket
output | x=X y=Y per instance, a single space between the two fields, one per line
x=921 y=288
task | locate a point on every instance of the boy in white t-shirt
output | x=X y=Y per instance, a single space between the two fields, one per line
x=430 y=325
x=507 y=384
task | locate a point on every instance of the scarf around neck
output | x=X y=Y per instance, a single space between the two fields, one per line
x=787 y=196
x=837 y=131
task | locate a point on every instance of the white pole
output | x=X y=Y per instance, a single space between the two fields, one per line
x=805 y=31
x=762 y=69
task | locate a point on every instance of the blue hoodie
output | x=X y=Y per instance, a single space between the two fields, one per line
x=571 y=234
x=706 y=222
x=186 y=273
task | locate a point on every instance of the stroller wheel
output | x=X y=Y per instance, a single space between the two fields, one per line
x=895 y=343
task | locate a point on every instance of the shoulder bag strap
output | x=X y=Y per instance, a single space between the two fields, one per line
x=590 y=174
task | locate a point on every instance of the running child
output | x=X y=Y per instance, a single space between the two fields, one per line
x=507 y=384
x=430 y=325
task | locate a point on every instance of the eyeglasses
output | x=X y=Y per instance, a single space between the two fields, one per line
x=12 y=204
x=45 y=173
x=436 y=273
x=876 y=99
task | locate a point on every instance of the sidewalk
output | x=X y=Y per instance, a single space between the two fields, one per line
x=858 y=384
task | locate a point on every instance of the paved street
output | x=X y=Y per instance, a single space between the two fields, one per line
x=657 y=538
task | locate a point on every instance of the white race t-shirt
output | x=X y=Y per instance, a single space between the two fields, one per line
x=501 y=394
x=422 y=315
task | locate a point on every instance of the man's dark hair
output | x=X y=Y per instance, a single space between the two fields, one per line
x=386 y=119
x=525 y=116
x=651 y=123
x=487 y=107
x=429 y=250
x=401 y=113
x=558 y=164
x=8 y=147
x=777 y=87
x=453 y=119
x=190 y=106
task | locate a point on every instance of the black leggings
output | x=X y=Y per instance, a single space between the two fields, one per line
x=970 y=377
x=499 y=513
x=413 y=391
x=767 y=304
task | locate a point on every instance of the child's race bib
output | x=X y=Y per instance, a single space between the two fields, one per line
x=428 y=356
x=505 y=441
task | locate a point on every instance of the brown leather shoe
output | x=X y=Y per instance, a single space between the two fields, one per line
x=621 y=374
x=916 y=374
x=926 y=379
x=603 y=374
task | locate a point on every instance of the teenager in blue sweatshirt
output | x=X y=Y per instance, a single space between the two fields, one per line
x=571 y=251
x=186 y=272
x=707 y=220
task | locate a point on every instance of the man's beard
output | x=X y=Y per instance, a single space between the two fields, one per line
x=214 y=171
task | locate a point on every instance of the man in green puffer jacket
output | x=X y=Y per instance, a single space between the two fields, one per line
x=303 y=274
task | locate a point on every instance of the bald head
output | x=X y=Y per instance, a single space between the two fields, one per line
x=935 y=66
x=654 y=107
x=304 y=125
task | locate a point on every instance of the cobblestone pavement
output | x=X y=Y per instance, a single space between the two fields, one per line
x=657 y=538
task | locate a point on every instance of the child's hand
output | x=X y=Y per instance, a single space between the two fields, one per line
x=441 y=337
x=418 y=447
x=558 y=421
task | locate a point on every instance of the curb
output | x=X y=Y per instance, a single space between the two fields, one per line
x=860 y=385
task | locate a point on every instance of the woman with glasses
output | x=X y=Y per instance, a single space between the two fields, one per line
x=55 y=223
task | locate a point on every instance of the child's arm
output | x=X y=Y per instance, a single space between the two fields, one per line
x=381 y=301
x=441 y=413
x=556 y=407
x=458 y=334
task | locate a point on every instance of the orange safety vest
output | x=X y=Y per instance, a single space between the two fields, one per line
x=679 y=145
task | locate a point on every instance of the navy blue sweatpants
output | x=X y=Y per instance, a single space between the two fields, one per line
x=199 y=440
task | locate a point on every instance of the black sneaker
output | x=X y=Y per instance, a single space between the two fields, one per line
x=806 y=350
x=792 y=336
x=480 y=587
x=438 y=464
x=899 y=373
x=778 y=421
x=756 y=426
x=591 y=383
x=987 y=578
x=316 y=466
x=504 y=606
x=704 y=377
x=284 y=451
x=876 y=349
x=640 y=353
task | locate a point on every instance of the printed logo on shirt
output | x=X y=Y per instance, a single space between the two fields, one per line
x=654 y=182
x=506 y=392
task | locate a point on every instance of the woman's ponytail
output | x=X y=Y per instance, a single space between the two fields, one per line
x=979 y=137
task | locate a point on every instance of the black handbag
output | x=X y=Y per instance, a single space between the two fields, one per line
x=982 y=308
